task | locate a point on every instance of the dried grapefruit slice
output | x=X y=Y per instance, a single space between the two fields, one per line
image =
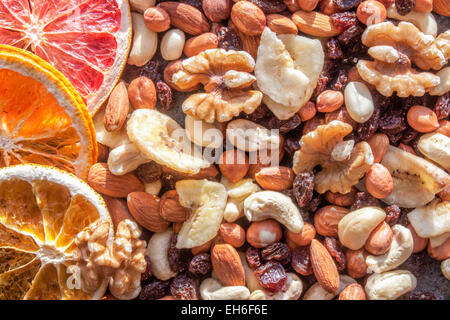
x=43 y=119
x=42 y=209
x=87 y=40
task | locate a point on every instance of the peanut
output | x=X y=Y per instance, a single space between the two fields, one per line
x=422 y=119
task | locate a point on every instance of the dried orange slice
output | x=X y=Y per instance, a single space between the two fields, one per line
x=43 y=119
x=87 y=40
x=42 y=209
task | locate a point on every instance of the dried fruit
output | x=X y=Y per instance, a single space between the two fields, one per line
x=154 y=290
x=185 y=287
x=165 y=96
x=301 y=261
x=228 y=39
x=404 y=6
x=276 y=251
x=270 y=6
x=200 y=264
x=271 y=276
x=179 y=259
x=344 y=20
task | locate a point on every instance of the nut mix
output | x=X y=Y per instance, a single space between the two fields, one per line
x=266 y=164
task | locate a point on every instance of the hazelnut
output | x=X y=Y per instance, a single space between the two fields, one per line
x=308 y=111
x=157 y=19
x=356 y=263
x=379 y=181
x=304 y=237
x=262 y=233
x=142 y=93
x=371 y=12
x=441 y=252
x=422 y=119
x=419 y=243
x=386 y=3
x=200 y=43
x=379 y=143
x=248 y=18
x=380 y=239
x=217 y=10
x=234 y=165
x=329 y=101
x=326 y=220
x=339 y=199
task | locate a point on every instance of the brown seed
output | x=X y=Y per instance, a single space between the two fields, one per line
x=422 y=119
x=419 y=243
x=380 y=239
x=326 y=220
x=379 y=181
x=424 y=5
x=353 y=291
x=172 y=68
x=275 y=178
x=157 y=19
x=200 y=43
x=144 y=207
x=142 y=93
x=248 y=18
x=281 y=24
x=356 y=263
x=217 y=10
x=233 y=234
x=103 y=152
x=234 y=165
x=171 y=209
x=329 y=101
x=116 y=110
x=304 y=237
x=308 y=111
x=227 y=265
x=379 y=143
x=186 y=17
x=323 y=266
x=262 y=233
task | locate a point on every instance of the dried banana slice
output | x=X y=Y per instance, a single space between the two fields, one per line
x=431 y=220
x=436 y=147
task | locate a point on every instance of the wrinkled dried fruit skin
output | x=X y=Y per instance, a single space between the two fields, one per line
x=165 y=95
x=270 y=6
x=154 y=290
x=367 y=129
x=301 y=261
x=392 y=214
x=344 y=5
x=149 y=172
x=364 y=199
x=341 y=80
x=404 y=6
x=179 y=259
x=349 y=35
x=276 y=251
x=335 y=249
x=229 y=39
x=185 y=287
x=344 y=20
x=147 y=274
x=253 y=257
x=272 y=276
x=442 y=107
x=422 y=295
x=152 y=70
x=303 y=188
x=333 y=49
x=200 y=265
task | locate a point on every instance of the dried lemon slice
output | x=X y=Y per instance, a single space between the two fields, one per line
x=42 y=209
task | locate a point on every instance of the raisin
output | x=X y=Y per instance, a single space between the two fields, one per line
x=422 y=295
x=147 y=274
x=149 y=172
x=392 y=214
x=260 y=113
x=341 y=80
x=154 y=290
x=200 y=264
x=228 y=39
x=179 y=259
x=367 y=129
x=303 y=187
x=335 y=249
x=185 y=287
x=253 y=257
x=315 y=202
x=321 y=84
x=277 y=251
x=168 y=182
x=349 y=35
x=344 y=20
x=345 y=5
x=409 y=135
x=165 y=95
x=270 y=6
x=274 y=123
x=404 y=6
x=195 y=3
x=152 y=70
x=271 y=276
x=333 y=49
x=442 y=106
x=392 y=123
x=301 y=261
x=291 y=124
x=364 y=199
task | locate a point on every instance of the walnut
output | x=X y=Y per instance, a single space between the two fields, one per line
x=343 y=163
x=226 y=78
x=394 y=49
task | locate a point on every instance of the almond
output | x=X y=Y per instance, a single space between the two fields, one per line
x=326 y=220
x=275 y=178
x=380 y=239
x=186 y=17
x=227 y=265
x=281 y=24
x=233 y=234
x=217 y=10
x=116 y=110
x=315 y=24
x=442 y=7
x=248 y=18
x=103 y=152
x=103 y=181
x=323 y=266
x=200 y=43
x=118 y=210
x=353 y=291
x=234 y=165
x=157 y=19
x=144 y=207
x=308 y=5
x=142 y=93
x=171 y=209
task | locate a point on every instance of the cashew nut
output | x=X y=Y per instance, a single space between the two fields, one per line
x=250 y=280
x=445 y=268
x=400 y=250
x=273 y=205
x=157 y=249
x=355 y=227
x=293 y=290
x=211 y=289
x=390 y=285
x=316 y=292
x=237 y=193
x=125 y=158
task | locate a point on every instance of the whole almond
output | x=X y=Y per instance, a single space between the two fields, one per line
x=281 y=24
x=308 y=5
x=142 y=93
x=326 y=220
x=379 y=143
x=442 y=7
x=227 y=265
x=186 y=17
x=234 y=165
x=248 y=18
x=380 y=239
x=171 y=209
x=200 y=43
x=157 y=19
x=275 y=178
x=329 y=101
x=315 y=24
x=353 y=291
x=144 y=207
x=323 y=266
x=233 y=234
x=103 y=181
x=356 y=263
x=217 y=10
x=116 y=110
x=118 y=210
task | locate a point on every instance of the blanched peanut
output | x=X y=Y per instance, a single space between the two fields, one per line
x=262 y=233
x=422 y=119
x=380 y=239
x=329 y=101
x=145 y=42
x=358 y=101
x=172 y=44
x=379 y=181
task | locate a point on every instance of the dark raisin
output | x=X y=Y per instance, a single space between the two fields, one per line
x=195 y=3
x=270 y=6
x=291 y=145
x=147 y=274
x=344 y=20
x=303 y=187
x=349 y=35
x=345 y=5
x=333 y=49
x=277 y=251
x=185 y=287
x=367 y=129
x=392 y=214
x=274 y=123
x=364 y=199
x=152 y=70
x=315 y=202
x=253 y=257
x=165 y=95
x=168 y=182
x=335 y=249
x=271 y=276
x=149 y=172
x=179 y=259
x=321 y=84
x=260 y=113
x=409 y=135
x=404 y=6
x=154 y=290
x=289 y=125
x=200 y=264
x=442 y=106
x=422 y=295
x=392 y=123
x=301 y=261
x=341 y=80
x=228 y=39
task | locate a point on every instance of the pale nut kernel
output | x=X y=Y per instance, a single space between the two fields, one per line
x=356 y=263
x=326 y=220
x=304 y=237
x=212 y=289
x=125 y=158
x=262 y=233
x=358 y=101
x=379 y=143
x=281 y=24
x=422 y=119
x=248 y=18
x=316 y=292
x=172 y=44
x=145 y=42
x=142 y=93
x=233 y=234
x=157 y=252
x=200 y=43
x=380 y=239
x=308 y=111
x=390 y=285
x=307 y=5
x=379 y=181
x=153 y=187
x=157 y=19
x=371 y=12
x=445 y=268
x=419 y=243
x=342 y=200
x=329 y=101
x=355 y=227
